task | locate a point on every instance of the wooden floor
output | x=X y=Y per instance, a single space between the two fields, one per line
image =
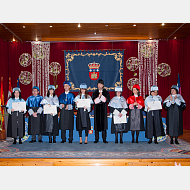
x=98 y=162
x=93 y=162
x=186 y=135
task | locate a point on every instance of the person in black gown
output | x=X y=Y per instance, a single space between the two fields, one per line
x=100 y=97
x=83 y=118
x=118 y=107
x=154 y=125
x=175 y=104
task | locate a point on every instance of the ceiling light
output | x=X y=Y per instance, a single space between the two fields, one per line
x=95 y=33
x=50 y=26
x=79 y=25
x=23 y=26
x=174 y=37
x=36 y=39
x=163 y=24
x=13 y=39
x=134 y=24
x=150 y=38
x=106 y=25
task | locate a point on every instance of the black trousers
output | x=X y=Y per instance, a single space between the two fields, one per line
x=97 y=135
x=63 y=134
x=86 y=132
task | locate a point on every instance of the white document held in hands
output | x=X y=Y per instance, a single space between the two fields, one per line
x=117 y=119
x=156 y=105
x=50 y=109
x=19 y=106
x=83 y=102
x=102 y=98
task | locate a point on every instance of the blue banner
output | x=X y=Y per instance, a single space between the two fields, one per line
x=89 y=66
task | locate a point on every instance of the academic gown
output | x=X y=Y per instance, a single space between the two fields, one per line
x=136 y=121
x=34 y=123
x=83 y=118
x=100 y=111
x=118 y=104
x=16 y=121
x=174 y=119
x=153 y=119
x=50 y=122
x=66 y=121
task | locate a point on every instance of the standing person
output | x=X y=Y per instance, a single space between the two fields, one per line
x=175 y=104
x=154 y=125
x=16 y=121
x=66 y=122
x=100 y=97
x=136 y=105
x=83 y=118
x=50 y=121
x=35 y=119
x=118 y=104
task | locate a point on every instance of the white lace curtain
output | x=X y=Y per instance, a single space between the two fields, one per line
x=148 y=57
x=40 y=65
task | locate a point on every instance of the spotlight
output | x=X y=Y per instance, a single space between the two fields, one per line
x=79 y=25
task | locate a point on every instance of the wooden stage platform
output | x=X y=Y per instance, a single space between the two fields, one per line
x=97 y=162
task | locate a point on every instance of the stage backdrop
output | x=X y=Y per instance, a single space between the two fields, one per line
x=89 y=66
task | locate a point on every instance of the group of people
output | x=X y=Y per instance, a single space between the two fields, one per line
x=47 y=124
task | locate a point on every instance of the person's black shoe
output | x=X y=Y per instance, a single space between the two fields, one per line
x=54 y=139
x=121 y=141
x=171 y=141
x=85 y=143
x=137 y=141
x=105 y=141
x=176 y=141
x=155 y=141
x=132 y=140
x=14 y=142
x=150 y=141
x=116 y=141
x=50 y=139
x=63 y=141
x=20 y=141
x=32 y=141
x=70 y=141
x=96 y=141
x=40 y=141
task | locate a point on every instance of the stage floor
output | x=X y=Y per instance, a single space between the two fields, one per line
x=127 y=150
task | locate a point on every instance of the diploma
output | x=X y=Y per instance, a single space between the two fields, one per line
x=119 y=120
x=50 y=109
x=156 y=105
x=19 y=106
x=83 y=102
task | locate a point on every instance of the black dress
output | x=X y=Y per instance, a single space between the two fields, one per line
x=174 y=119
x=100 y=111
x=16 y=125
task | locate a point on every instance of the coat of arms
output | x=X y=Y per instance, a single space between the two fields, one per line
x=94 y=70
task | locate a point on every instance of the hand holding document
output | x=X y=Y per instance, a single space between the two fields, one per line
x=19 y=106
x=103 y=99
x=97 y=100
x=156 y=105
x=117 y=119
x=83 y=103
x=50 y=109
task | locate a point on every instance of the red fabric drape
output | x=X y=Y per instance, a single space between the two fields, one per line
x=173 y=52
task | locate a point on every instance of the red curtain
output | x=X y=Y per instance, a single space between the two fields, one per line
x=173 y=52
